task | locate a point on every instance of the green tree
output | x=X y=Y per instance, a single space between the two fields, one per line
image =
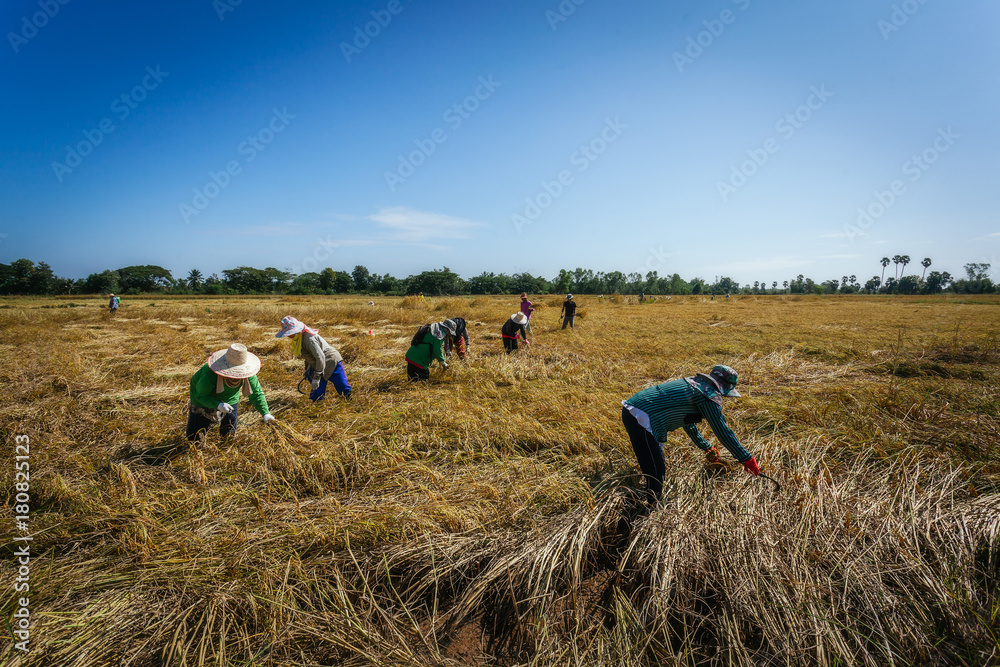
x=896 y=259
x=562 y=281
x=105 y=282
x=362 y=278
x=144 y=278
x=194 y=280
x=327 y=278
x=925 y=263
x=885 y=263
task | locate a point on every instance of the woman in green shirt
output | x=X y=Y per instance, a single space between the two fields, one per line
x=216 y=389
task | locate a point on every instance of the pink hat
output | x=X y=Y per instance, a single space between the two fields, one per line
x=291 y=326
x=234 y=362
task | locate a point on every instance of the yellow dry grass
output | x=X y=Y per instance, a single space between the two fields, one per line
x=489 y=516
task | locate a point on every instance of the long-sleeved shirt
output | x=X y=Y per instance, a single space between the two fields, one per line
x=319 y=355
x=426 y=350
x=526 y=308
x=461 y=331
x=678 y=404
x=511 y=329
x=203 y=394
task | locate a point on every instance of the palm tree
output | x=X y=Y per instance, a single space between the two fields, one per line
x=774 y=285
x=896 y=259
x=904 y=260
x=885 y=263
x=194 y=280
x=925 y=264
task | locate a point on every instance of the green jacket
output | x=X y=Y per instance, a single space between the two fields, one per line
x=429 y=349
x=203 y=392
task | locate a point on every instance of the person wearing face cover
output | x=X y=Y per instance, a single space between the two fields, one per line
x=649 y=415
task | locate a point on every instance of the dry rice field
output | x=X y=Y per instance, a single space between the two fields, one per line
x=489 y=517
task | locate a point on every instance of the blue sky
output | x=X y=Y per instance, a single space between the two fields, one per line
x=735 y=137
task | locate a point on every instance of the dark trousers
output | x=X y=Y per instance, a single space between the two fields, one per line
x=648 y=452
x=415 y=372
x=569 y=320
x=197 y=426
x=509 y=343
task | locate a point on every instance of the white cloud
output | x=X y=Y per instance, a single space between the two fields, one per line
x=409 y=225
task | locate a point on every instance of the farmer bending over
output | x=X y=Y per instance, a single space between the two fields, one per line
x=426 y=346
x=511 y=329
x=216 y=389
x=652 y=413
x=323 y=362
x=459 y=340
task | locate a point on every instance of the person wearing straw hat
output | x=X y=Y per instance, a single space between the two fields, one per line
x=426 y=346
x=652 y=413
x=216 y=388
x=511 y=329
x=458 y=340
x=113 y=303
x=323 y=362
x=568 y=311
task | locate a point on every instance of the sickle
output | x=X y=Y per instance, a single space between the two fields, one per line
x=773 y=481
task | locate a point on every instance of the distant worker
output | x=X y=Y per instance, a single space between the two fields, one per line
x=459 y=341
x=426 y=346
x=513 y=328
x=527 y=308
x=113 y=303
x=651 y=414
x=323 y=362
x=568 y=311
x=215 y=392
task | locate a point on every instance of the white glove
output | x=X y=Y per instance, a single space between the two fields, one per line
x=268 y=418
x=225 y=407
x=314 y=382
x=446 y=365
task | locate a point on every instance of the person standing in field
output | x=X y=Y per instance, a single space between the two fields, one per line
x=426 y=346
x=215 y=392
x=324 y=362
x=458 y=340
x=113 y=303
x=568 y=311
x=652 y=413
x=512 y=328
x=527 y=308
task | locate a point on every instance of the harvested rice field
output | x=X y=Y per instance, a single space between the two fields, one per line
x=490 y=516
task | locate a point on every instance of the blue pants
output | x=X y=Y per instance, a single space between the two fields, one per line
x=339 y=380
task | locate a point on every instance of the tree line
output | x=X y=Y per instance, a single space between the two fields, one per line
x=25 y=277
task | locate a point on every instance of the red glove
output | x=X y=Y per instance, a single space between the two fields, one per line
x=712 y=455
x=751 y=466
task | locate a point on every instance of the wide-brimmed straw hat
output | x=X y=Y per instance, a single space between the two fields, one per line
x=520 y=318
x=291 y=326
x=234 y=362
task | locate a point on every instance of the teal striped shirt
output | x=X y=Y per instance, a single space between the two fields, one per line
x=676 y=404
